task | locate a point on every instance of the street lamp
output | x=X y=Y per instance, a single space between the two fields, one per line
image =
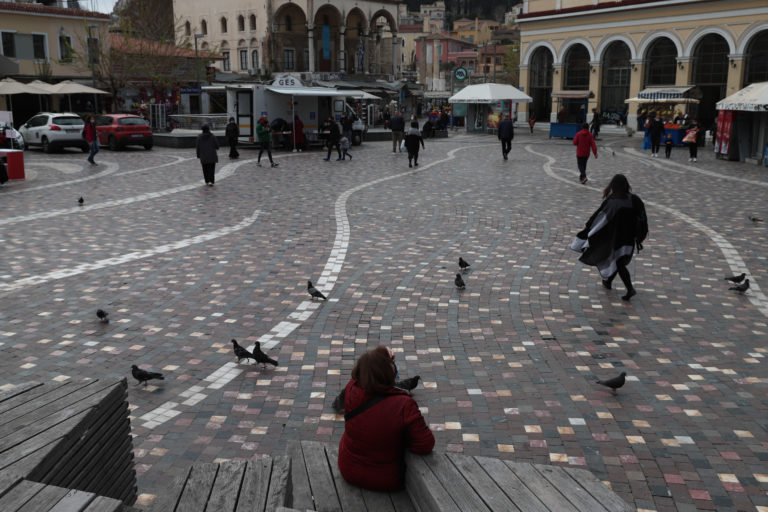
x=197 y=62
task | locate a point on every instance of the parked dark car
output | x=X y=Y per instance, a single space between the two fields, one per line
x=119 y=130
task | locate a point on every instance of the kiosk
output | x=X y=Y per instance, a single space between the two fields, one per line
x=571 y=113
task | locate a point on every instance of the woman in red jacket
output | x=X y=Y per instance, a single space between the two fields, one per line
x=381 y=422
x=584 y=141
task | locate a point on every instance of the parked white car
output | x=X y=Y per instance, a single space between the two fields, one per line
x=54 y=131
x=10 y=138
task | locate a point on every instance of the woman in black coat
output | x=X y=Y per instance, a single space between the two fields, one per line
x=412 y=140
x=612 y=232
x=206 y=152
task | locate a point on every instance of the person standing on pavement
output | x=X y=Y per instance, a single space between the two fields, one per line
x=90 y=135
x=297 y=134
x=595 y=125
x=584 y=141
x=692 y=139
x=232 y=132
x=397 y=125
x=346 y=126
x=612 y=232
x=656 y=131
x=264 y=135
x=412 y=140
x=207 y=148
x=334 y=136
x=506 y=132
x=531 y=121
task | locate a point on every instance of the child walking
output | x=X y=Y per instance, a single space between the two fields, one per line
x=344 y=142
x=668 y=145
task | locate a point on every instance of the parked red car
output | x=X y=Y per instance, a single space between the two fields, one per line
x=119 y=130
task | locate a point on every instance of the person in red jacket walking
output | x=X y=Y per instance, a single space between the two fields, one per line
x=90 y=135
x=381 y=422
x=584 y=141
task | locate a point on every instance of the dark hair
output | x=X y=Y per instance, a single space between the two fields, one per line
x=206 y=128
x=231 y=118
x=374 y=370
x=618 y=187
x=414 y=124
x=585 y=126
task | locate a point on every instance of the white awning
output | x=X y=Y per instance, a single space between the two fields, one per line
x=662 y=101
x=356 y=93
x=305 y=91
x=665 y=92
x=489 y=93
x=752 y=98
x=11 y=86
x=575 y=95
x=70 y=87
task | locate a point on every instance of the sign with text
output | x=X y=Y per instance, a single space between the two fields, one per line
x=287 y=81
x=460 y=73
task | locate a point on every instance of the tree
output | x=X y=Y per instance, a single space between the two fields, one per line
x=511 y=64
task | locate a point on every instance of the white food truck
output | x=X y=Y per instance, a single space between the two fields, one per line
x=286 y=97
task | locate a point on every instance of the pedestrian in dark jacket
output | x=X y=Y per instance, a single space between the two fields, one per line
x=92 y=136
x=595 y=125
x=397 y=125
x=382 y=421
x=346 y=126
x=231 y=133
x=506 y=132
x=334 y=137
x=207 y=148
x=264 y=135
x=584 y=141
x=612 y=232
x=412 y=140
x=656 y=131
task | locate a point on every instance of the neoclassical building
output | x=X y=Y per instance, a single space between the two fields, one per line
x=342 y=36
x=615 y=49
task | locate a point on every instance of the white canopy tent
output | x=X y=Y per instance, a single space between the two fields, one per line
x=10 y=87
x=69 y=87
x=752 y=98
x=489 y=93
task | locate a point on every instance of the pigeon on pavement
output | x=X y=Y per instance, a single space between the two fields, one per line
x=614 y=383
x=408 y=384
x=240 y=352
x=314 y=292
x=261 y=357
x=741 y=287
x=459 y=282
x=81 y=201
x=103 y=316
x=143 y=375
x=755 y=218
x=463 y=264
x=736 y=279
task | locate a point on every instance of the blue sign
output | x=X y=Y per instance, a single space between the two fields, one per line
x=190 y=90
x=326 y=42
x=460 y=73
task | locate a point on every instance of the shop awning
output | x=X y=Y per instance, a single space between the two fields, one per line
x=669 y=92
x=662 y=101
x=361 y=95
x=489 y=93
x=70 y=87
x=437 y=94
x=573 y=94
x=305 y=91
x=11 y=86
x=752 y=98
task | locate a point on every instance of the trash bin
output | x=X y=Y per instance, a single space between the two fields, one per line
x=14 y=163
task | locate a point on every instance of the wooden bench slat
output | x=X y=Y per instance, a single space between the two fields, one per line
x=198 y=488
x=20 y=494
x=44 y=500
x=166 y=501
x=104 y=504
x=279 y=483
x=512 y=486
x=401 y=501
x=482 y=484
x=454 y=483
x=255 y=486
x=73 y=501
x=17 y=390
x=14 y=398
x=50 y=402
x=377 y=501
x=599 y=490
x=350 y=496
x=570 y=488
x=8 y=480
x=545 y=491
x=320 y=478
x=425 y=490
x=302 y=495
x=226 y=487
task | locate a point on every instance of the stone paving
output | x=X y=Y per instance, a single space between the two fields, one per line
x=508 y=365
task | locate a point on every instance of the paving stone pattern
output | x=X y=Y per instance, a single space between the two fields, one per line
x=508 y=365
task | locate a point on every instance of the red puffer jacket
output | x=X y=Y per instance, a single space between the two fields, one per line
x=372 y=449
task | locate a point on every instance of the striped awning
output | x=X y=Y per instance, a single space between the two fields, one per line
x=666 y=92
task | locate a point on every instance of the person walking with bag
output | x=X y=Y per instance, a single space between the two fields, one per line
x=334 y=138
x=231 y=133
x=264 y=135
x=612 y=233
x=506 y=132
x=692 y=139
x=412 y=140
x=91 y=135
x=584 y=141
x=207 y=148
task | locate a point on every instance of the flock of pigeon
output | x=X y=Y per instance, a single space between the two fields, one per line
x=739 y=286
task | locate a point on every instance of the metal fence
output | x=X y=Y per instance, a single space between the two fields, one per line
x=196 y=121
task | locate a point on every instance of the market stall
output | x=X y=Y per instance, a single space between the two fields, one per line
x=665 y=107
x=486 y=102
x=571 y=113
x=742 y=125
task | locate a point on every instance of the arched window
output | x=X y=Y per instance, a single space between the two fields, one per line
x=576 y=64
x=288 y=24
x=204 y=27
x=540 y=83
x=255 y=59
x=223 y=25
x=187 y=29
x=616 y=71
x=756 y=69
x=660 y=67
x=252 y=22
x=710 y=74
x=241 y=23
x=325 y=20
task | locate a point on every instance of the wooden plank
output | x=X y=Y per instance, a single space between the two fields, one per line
x=425 y=490
x=320 y=478
x=454 y=483
x=73 y=501
x=14 y=400
x=255 y=486
x=401 y=501
x=166 y=501
x=198 y=488
x=104 y=504
x=570 y=488
x=350 y=496
x=378 y=501
x=512 y=486
x=53 y=400
x=8 y=480
x=482 y=484
x=16 y=497
x=599 y=490
x=226 y=487
x=302 y=493
x=94 y=466
x=18 y=390
x=540 y=486
x=279 y=484
x=122 y=472
x=45 y=499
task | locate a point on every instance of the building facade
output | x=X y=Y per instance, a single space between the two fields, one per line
x=615 y=49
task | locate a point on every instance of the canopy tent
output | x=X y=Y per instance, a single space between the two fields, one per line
x=361 y=95
x=752 y=98
x=662 y=101
x=669 y=92
x=10 y=87
x=69 y=87
x=489 y=93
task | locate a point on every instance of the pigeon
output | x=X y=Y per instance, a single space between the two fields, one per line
x=314 y=292
x=81 y=201
x=459 y=282
x=755 y=218
x=741 y=287
x=736 y=279
x=143 y=375
x=408 y=384
x=463 y=263
x=338 y=403
x=261 y=357
x=103 y=316
x=613 y=153
x=240 y=352
x=614 y=383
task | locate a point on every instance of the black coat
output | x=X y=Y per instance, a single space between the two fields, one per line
x=656 y=129
x=334 y=133
x=412 y=140
x=206 y=148
x=397 y=124
x=232 y=130
x=506 y=129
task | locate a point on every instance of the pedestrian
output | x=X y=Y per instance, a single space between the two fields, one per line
x=334 y=137
x=612 y=233
x=668 y=143
x=656 y=131
x=91 y=135
x=297 y=134
x=231 y=133
x=584 y=141
x=531 y=121
x=397 y=125
x=595 y=125
x=381 y=423
x=346 y=126
x=344 y=143
x=207 y=148
x=412 y=140
x=691 y=138
x=264 y=135
x=506 y=132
